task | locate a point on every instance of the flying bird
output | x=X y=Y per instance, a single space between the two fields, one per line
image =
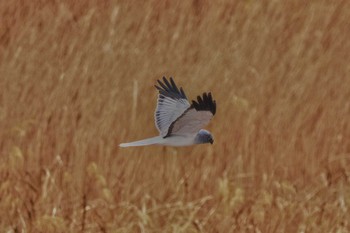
x=179 y=123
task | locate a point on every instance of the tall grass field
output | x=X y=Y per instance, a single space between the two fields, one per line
x=77 y=79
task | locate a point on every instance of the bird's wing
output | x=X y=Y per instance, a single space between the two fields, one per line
x=195 y=117
x=172 y=103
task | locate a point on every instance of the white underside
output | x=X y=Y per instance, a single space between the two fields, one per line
x=175 y=140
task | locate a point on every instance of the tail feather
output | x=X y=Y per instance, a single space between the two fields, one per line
x=144 y=142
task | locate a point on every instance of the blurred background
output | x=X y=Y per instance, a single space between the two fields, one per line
x=77 y=78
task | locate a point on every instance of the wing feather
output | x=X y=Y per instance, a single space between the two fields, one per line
x=172 y=103
x=194 y=118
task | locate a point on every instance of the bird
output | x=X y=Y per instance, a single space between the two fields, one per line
x=179 y=123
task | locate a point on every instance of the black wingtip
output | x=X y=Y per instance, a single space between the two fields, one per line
x=170 y=89
x=205 y=103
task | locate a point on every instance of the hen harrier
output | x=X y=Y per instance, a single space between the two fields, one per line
x=179 y=122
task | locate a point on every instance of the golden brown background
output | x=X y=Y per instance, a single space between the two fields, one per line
x=76 y=79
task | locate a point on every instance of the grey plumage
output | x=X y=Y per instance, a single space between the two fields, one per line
x=203 y=136
x=179 y=122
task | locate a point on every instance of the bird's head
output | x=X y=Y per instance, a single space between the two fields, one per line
x=204 y=136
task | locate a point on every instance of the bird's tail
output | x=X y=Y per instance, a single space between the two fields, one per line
x=145 y=142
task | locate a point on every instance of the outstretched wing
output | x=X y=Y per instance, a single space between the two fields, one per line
x=194 y=118
x=172 y=103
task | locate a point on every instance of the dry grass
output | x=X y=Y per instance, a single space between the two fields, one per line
x=77 y=79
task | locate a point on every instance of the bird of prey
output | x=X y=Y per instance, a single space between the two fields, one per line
x=179 y=123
